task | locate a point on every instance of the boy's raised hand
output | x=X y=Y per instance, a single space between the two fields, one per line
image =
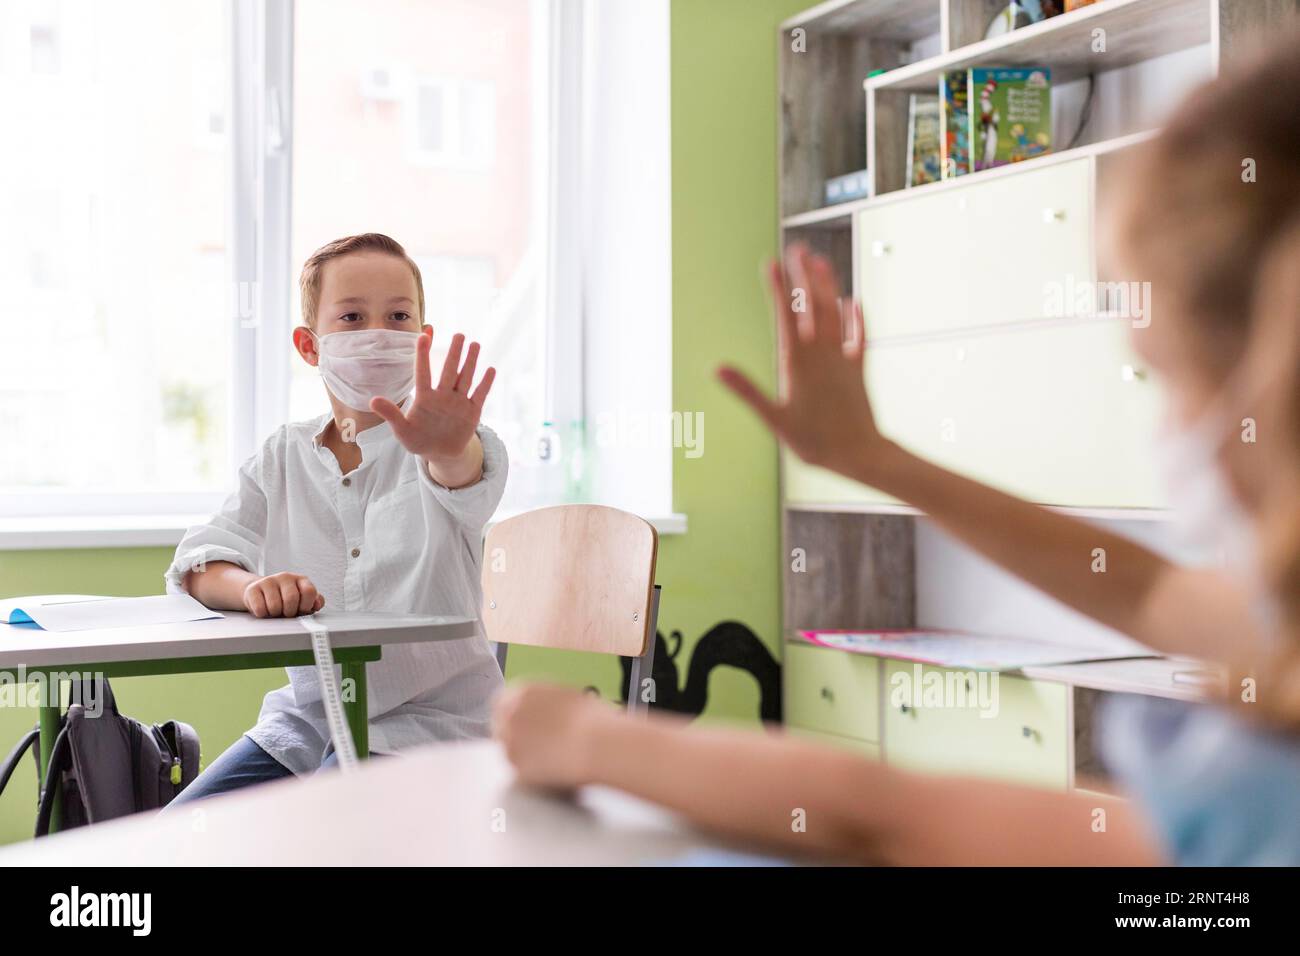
x=439 y=421
x=822 y=413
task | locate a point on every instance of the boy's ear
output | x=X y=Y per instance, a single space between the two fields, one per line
x=305 y=343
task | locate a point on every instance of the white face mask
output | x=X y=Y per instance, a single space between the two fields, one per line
x=1207 y=515
x=369 y=363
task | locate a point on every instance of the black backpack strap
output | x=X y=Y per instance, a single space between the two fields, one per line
x=89 y=690
x=58 y=757
x=32 y=739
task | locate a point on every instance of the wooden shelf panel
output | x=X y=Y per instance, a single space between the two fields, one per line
x=887 y=509
x=904 y=21
x=1135 y=30
x=839 y=216
x=859 y=571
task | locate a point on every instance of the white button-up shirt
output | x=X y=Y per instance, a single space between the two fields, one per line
x=384 y=537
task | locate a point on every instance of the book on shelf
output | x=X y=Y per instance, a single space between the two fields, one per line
x=1021 y=13
x=846 y=188
x=1010 y=114
x=954 y=123
x=924 y=152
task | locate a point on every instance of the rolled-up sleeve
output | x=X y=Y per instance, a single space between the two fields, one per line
x=234 y=534
x=472 y=506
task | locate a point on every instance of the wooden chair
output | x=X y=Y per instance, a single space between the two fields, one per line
x=577 y=577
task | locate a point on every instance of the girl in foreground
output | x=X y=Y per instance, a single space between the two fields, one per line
x=1215 y=787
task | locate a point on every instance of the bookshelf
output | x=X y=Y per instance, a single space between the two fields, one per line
x=969 y=341
x=837 y=115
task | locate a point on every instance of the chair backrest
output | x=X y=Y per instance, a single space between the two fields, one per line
x=577 y=577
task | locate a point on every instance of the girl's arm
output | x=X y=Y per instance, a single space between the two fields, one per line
x=803 y=798
x=825 y=417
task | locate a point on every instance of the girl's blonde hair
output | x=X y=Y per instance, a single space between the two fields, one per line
x=1201 y=203
x=1208 y=214
x=1269 y=468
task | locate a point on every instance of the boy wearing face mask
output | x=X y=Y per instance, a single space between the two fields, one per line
x=378 y=505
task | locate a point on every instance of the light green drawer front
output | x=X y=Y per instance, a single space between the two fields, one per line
x=1062 y=415
x=974 y=255
x=832 y=692
x=809 y=485
x=864 y=747
x=1025 y=740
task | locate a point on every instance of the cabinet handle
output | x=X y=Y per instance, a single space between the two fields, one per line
x=827 y=695
x=1029 y=732
x=880 y=248
x=903 y=708
x=1051 y=215
x=1131 y=373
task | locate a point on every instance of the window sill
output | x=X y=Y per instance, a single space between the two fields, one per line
x=149 y=531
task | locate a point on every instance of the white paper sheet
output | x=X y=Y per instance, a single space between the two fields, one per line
x=83 y=612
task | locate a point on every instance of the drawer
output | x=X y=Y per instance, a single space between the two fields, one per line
x=864 y=747
x=808 y=484
x=1061 y=414
x=833 y=692
x=1015 y=730
x=975 y=255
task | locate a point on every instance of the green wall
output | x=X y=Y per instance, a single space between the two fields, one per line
x=725 y=567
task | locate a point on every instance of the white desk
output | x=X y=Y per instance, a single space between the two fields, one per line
x=239 y=641
x=237 y=634
x=446 y=804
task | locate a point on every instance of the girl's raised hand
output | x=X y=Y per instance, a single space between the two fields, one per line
x=822 y=411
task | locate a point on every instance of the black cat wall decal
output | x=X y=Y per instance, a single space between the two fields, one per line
x=728 y=644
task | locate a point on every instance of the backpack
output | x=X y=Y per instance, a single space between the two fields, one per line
x=108 y=765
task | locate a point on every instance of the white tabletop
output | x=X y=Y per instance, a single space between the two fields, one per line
x=237 y=633
x=446 y=804
x=1153 y=676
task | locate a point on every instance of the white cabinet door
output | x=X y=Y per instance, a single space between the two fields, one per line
x=1060 y=414
x=1009 y=249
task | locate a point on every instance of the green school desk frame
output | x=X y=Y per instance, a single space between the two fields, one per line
x=248 y=643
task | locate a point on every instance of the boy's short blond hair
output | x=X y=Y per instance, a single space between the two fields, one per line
x=309 y=281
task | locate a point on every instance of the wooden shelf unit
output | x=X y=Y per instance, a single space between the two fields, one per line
x=851 y=564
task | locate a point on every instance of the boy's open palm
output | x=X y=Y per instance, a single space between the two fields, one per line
x=439 y=421
x=822 y=412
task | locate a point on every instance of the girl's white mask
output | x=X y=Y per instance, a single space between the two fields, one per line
x=369 y=363
x=1207 y=515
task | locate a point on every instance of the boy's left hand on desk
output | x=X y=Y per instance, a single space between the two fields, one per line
x=439 y=422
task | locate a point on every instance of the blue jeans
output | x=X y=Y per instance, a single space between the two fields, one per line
x=244 y=764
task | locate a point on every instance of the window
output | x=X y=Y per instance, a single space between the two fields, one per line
x=389 y=149
x=180 y=159
x=114 y=193
x=452 y=122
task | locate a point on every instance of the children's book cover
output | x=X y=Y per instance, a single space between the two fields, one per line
x=923 y=136
x=955 y=122
x=1010 y=114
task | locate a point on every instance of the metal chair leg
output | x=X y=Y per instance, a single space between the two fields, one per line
x=643 y=667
